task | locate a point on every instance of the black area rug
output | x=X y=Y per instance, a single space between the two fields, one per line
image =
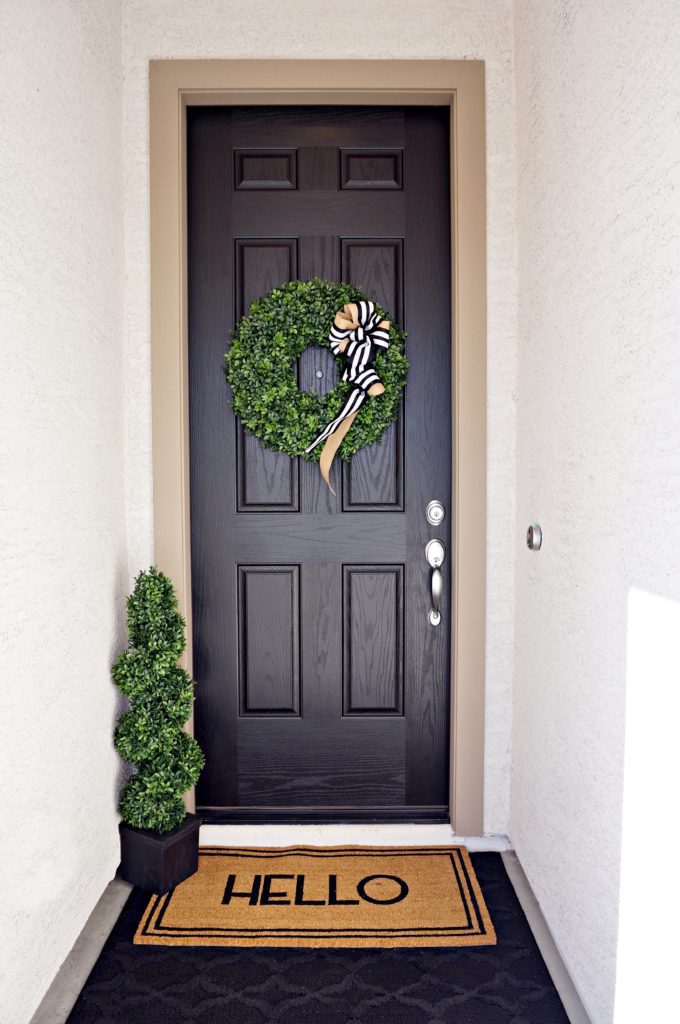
x=503 y=984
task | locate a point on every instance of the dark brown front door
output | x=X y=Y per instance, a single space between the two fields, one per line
x=323 y=690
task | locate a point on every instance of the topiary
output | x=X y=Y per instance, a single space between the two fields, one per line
x=150 y=735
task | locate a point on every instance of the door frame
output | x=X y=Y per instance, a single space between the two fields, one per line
x=177 y=84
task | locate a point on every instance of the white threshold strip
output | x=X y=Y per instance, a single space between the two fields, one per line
x=73 y=973
x=348 y=835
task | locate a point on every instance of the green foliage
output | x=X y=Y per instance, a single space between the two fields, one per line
x=260 y=367
x=150 y=735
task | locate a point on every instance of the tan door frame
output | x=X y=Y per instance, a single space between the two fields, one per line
x=176 y=84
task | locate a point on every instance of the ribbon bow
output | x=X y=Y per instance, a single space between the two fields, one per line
x=358 y=333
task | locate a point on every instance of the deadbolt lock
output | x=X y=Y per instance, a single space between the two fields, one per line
x=435 y=513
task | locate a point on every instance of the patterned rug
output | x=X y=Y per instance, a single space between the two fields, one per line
x=503 y=984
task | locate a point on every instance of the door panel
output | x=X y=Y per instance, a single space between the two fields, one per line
x=322 y=692
x=269 y=639
x=373 y=632
x=261 y=264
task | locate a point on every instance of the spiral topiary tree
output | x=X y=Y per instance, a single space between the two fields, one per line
x=150 y=735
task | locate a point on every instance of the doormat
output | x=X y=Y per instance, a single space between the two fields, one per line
x=344 y=896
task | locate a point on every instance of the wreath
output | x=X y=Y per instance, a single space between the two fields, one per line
x=261 y=362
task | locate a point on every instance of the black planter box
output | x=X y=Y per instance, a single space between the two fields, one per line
x=156 y=862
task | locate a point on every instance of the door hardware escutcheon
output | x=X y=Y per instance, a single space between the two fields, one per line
x=435 y=553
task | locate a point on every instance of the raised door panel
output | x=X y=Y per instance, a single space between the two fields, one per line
x=374 y=479
x=373 y=632
x=266 y=481
x=371 y=168
x=269 y=639
x=376 y=265
x=262 y=264
x=265 y=168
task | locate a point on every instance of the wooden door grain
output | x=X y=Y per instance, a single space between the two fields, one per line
x=323 y=692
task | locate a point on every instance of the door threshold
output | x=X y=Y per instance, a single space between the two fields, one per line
x=434 y=815
x=349 y=834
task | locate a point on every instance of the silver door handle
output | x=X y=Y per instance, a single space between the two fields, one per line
x=435 y=552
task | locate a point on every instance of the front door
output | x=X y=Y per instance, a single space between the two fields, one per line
x=323 y=687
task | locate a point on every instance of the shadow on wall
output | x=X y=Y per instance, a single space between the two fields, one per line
x=120 y=642
x=649 y=909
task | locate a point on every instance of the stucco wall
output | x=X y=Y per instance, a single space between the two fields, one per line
x=598 y=104
x=596 y=386
x=360 y=29
x=62 y=510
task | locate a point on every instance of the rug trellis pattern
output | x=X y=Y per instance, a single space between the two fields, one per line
x=503 y=984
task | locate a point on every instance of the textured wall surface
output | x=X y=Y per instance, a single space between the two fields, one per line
x=62 y=512
x=480 y=29
x=588 y=384
x=598 y=106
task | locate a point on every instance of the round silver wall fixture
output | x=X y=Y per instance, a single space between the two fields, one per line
x=534 y=537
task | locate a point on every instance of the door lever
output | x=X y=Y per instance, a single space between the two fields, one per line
x=435 y=552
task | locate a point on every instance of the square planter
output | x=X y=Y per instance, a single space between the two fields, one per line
x=156 y=862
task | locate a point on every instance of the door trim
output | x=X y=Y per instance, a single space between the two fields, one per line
x=176 y=84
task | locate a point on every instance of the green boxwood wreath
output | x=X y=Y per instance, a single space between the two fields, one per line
x=260 y=367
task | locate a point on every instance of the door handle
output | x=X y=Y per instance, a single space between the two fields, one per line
x=435 y=553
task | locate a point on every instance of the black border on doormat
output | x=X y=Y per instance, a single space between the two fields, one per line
x=503 y=984
x=477 y=930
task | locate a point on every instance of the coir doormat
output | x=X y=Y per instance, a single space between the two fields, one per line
x=323 y=896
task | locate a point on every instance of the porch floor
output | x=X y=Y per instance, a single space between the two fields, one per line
x=504 y=984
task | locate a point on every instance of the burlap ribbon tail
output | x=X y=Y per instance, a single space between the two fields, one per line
x=358 y=333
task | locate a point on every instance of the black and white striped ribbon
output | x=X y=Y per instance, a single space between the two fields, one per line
x=364 y=343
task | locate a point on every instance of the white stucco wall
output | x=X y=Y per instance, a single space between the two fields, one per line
x=587 y=379
x=62 y=505
x=360 y=29
x=598 y=102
